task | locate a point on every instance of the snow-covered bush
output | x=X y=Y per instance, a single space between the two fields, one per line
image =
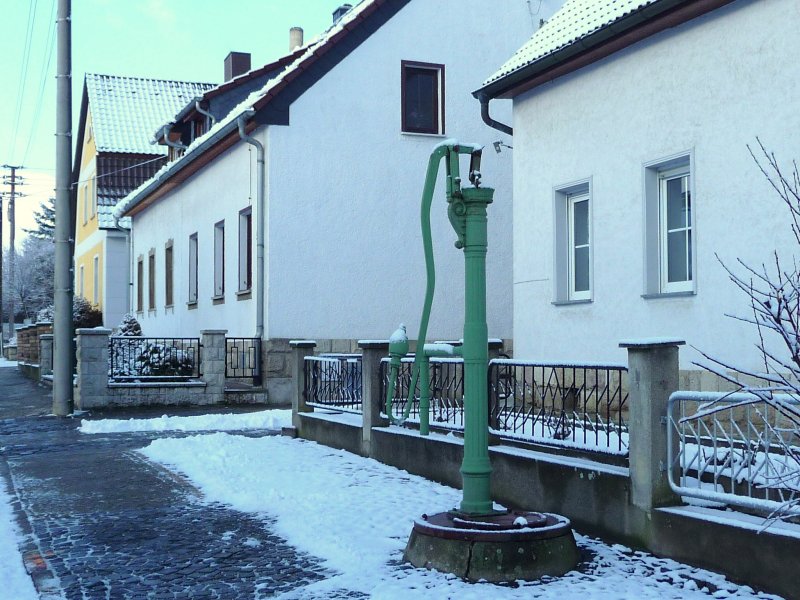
x=83 y=314
x=129 y=326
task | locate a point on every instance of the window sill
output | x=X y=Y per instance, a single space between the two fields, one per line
x=191 y=305
x=218 y=299
x=151 y=312
x=571 y=302
x=425 y=135
x=244 y=294
x=669 y=295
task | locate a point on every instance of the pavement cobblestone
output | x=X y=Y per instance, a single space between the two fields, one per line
x=103 y=523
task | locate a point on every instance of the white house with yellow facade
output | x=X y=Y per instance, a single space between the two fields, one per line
x=114 y=155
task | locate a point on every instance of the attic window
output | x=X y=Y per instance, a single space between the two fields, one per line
x=422 y=98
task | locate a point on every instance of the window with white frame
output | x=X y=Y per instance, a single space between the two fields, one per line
x=140 y=284
x=168 y=279
x=219 y=259
x=573 y=242
x=151 y=279
x=92 y=184
x=675 y=224
x=579 y=246
x=669 y=227
x=81 y=281
x=86 y=203
x=193 y=268
x=96 y=280
x=245 y=249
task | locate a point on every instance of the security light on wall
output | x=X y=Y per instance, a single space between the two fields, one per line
x=499 y=145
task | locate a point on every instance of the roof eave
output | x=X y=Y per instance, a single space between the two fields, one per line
x=601 y=44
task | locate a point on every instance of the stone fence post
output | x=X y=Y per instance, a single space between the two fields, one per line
x=300 y=349
x=652 y=376
x=92 y=388
x=213 y=365
x=45 y=354
x=371 y=401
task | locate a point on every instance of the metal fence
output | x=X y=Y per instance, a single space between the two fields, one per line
x=243 y=359
x=334 y=381
x=447 y=391
x=579 y=406
x=153 y=358
x=735 y=449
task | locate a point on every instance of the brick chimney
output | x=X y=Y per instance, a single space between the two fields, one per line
x=236 y=63
x=340 y=12
x=295 y=38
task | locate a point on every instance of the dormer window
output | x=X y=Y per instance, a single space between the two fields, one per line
x=199 y=128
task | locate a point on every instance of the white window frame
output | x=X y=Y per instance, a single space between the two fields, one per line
x=219 y=260
x=655 y=173
x=96 y=280
x=193 y=268
x=86 y=203
x=439 y=70
x=81 y=281
x=572 y=200
x=675 y=286
x=245 y=249
x=93 y=196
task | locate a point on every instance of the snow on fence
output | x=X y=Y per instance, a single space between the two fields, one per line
x=153 y=358
x=334 y=381
x=579 y=406
x=735 y=448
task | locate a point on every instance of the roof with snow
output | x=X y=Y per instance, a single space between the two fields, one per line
x=126 y=110
x=270 y=103
x=580 y=27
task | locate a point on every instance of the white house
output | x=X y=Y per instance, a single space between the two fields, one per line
x=631 y=125
x=347 y=123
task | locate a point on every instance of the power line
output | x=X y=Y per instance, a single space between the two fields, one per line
x=46 y=59
x=26 y=55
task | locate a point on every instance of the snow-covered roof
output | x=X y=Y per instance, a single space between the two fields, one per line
x=577 y=20
x=105 y=218
x=313 y=50
x=126 y=110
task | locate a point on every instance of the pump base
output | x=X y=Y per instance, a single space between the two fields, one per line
x=496 y=548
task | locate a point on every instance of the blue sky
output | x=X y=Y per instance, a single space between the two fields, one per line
x=169 y=39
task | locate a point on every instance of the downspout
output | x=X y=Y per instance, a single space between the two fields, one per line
x=484 y=100
x=261 y=172
x=170 y=143
x=204 y=112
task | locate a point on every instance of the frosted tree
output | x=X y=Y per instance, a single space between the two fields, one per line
x=129 y=326
x=772 y=394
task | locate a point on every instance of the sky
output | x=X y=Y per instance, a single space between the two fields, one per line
x=166 y=39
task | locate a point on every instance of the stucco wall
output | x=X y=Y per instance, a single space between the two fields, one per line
x=216 y=193
x=708 y=87
x=346 y=256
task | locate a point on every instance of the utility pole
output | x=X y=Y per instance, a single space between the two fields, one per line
x=13 y=181
x=63 y=357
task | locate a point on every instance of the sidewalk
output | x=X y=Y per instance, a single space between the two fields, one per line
x=102 y=522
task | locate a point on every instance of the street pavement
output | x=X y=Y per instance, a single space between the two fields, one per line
x=99 y=521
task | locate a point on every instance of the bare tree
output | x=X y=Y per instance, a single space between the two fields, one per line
x=773 y=290
x=31 y=282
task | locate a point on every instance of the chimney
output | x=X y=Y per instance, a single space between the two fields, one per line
x=340 y=12
x=236 y=63
x=295 y=38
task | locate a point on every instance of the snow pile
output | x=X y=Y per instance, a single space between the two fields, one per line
x=356 y=514
x=14 y=579
x=266 y=419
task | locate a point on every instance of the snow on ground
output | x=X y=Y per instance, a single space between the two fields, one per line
x=265 y=419
x=7 y=364
x=356 y=514
x=14 y=580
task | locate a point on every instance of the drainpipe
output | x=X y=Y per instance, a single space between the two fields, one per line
x=168 y=142
x=484 y=100
x=261 y=171
x=204 y=112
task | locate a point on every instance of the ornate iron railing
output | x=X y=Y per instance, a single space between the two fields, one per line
x=736 y=449
x=577 y=406
x=334 y=381
x=447 y=391
x=580 y=406
x=243 y=359
x=153 y=358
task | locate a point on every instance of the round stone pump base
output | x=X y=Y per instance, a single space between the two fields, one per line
x=505 y=546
